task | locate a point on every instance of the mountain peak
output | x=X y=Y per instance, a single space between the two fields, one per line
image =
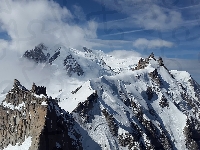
x=142 y=63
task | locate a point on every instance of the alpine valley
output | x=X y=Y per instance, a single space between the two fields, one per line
x=96 y=101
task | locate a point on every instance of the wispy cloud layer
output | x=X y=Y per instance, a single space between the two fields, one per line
x=124 y=54
x=151 y=44
x=146 y=14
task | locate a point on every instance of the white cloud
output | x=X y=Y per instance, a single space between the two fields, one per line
x=124 y=54
x=157 y=18
x=29 y=23
x=151 y=44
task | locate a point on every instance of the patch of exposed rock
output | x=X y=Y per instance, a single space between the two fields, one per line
x=72 y=66
x=37 y=54
x=155 y=77
x=112 y=123
x=142 y=63
x=87 y=50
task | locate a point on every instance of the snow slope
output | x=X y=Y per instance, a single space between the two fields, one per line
x=24 y=146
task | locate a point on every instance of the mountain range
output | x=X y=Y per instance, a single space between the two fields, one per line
x=98 y=101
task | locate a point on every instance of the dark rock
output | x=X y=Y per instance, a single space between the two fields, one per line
x=163 y=102
x=149 y=93
x=72 y=66
x=160 y=61
x=87 y=50
x=155 y=77
x=112 y=123
x=54 y=56
x=37 y=54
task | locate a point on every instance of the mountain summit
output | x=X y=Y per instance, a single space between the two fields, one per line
x=109 y=103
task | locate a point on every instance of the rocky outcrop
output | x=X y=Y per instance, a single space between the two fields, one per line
x=87 y=50
x=57 y=53
x=160 y=61
x=155 y=77
x=144 y=62
x=149 y=93
x=141 y=64
x=163 y=102
x=37 y=54
x=192 y=132
x=112 y=123
x=30 y=113
x=72 y=66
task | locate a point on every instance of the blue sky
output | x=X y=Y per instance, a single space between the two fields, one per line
x=169 y=28
x=117 y=21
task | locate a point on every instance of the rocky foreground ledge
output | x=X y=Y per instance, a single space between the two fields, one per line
x=31 y=113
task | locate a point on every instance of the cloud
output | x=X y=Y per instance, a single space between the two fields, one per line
x=78 y=13
x=26 y=71
x=158 y=18
x=112 y=44
x=124 y=54
x=143 y=43
x=29 y=23
x=145 y=14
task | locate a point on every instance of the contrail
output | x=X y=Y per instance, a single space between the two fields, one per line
x=132 y=31
x=186 y=7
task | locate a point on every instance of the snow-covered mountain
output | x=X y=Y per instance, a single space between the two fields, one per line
x=104 y=103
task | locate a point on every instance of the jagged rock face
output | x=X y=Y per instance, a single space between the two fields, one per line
x=24 y=113
x=37 y=54
x=144 y=62
x=19 y=113
x=72 y=66
x=112 y=123
x=155 y=77
x=57 y=53
x=192 y=132
x=160 y=61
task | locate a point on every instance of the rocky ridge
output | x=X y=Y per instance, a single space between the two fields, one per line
x=31 y=113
